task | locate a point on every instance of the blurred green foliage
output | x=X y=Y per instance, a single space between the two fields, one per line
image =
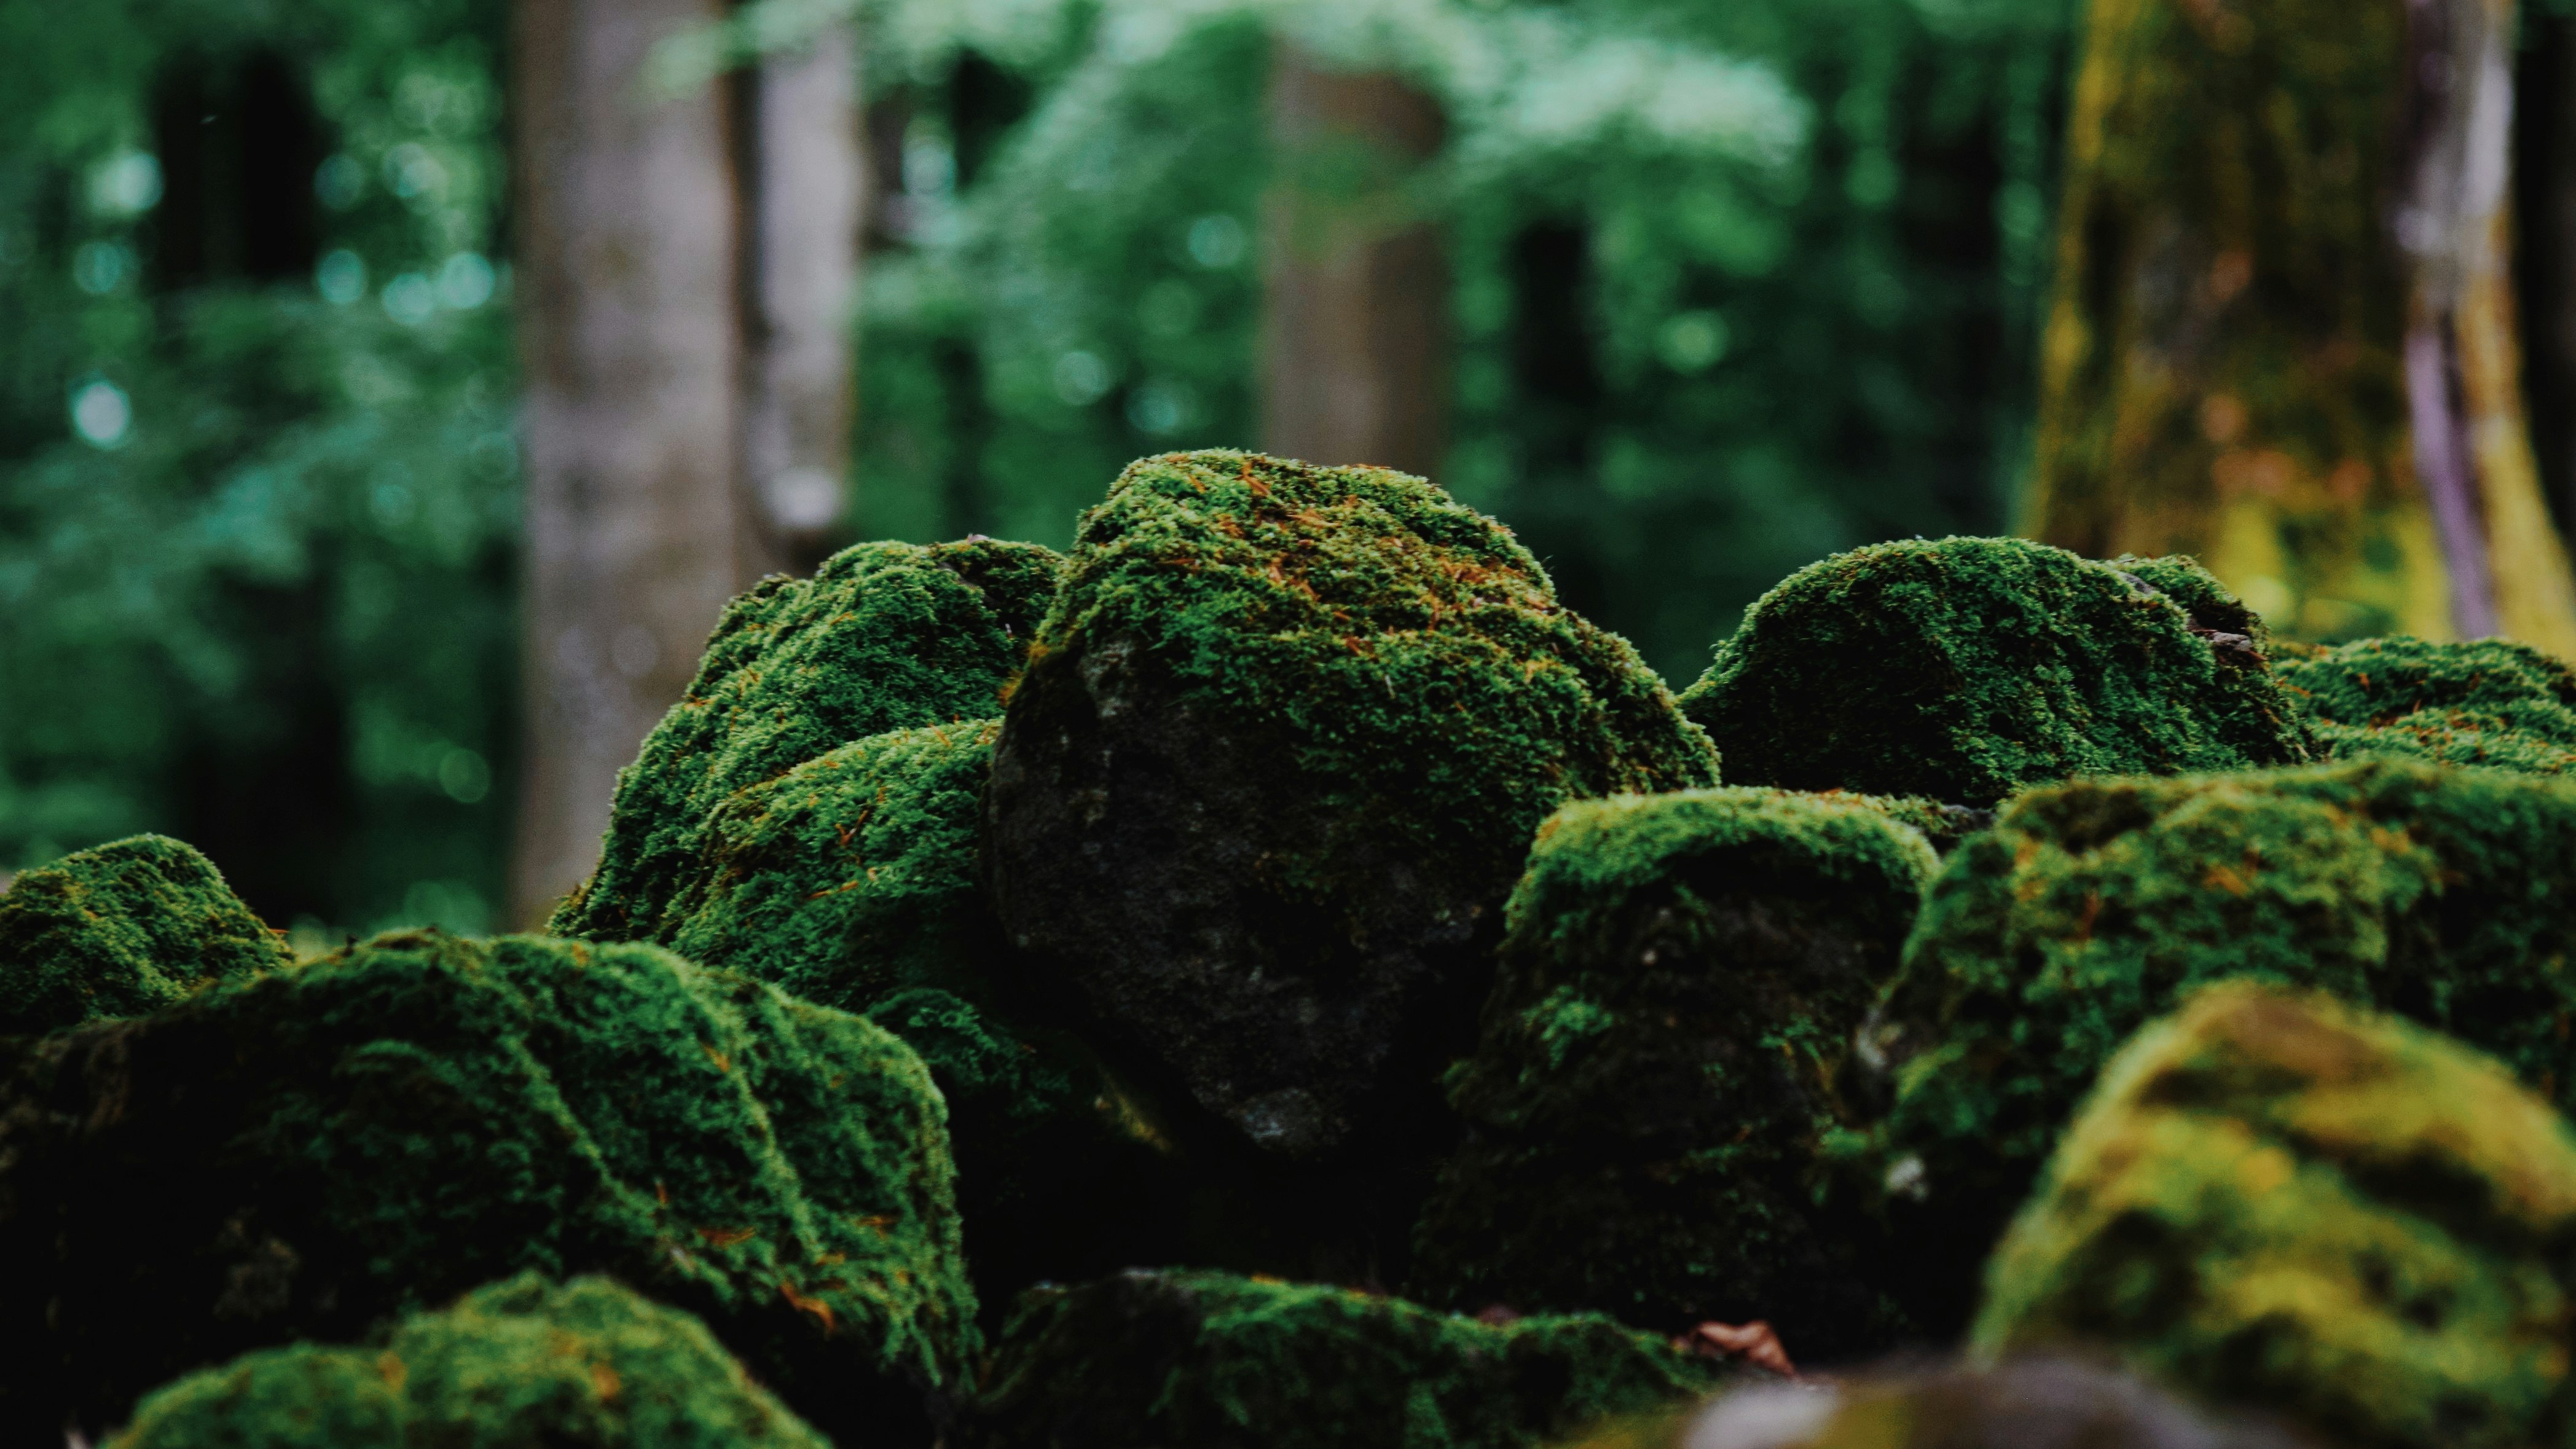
x=257 y=472
x=1735 y=287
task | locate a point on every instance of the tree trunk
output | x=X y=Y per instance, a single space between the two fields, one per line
x=681 y=325
x=800 y=173
x=1356 y=344
x=2544 y=164
x=2282 y=337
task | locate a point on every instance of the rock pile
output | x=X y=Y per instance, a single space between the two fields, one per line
x=1274 y=976
x=2091 y=907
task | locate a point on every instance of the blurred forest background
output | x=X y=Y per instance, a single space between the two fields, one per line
x=1718 y=289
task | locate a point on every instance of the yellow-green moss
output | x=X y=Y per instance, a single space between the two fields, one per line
x=382 y=1129
x=1965 y=669
x=589 y=1365
x=2446 y=895
x=885 y=636
x=2279 y=1202
x=119 y=930
x=2222 y=370
x=1220 y=1362
x=1681 y=977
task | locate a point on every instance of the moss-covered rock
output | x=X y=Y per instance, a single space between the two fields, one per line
x=1208 y=1359
x=308 y=1153
x=2491 y=702
x=2446 y=895
x=2024 y=1403
x=850 y=877
x=589 y=1365
x=885 y=636
x=1681 y=978
x=1272 y=770
x=2280 y=1202
x=119 y=930
x=854 y=881
x=1968 y=668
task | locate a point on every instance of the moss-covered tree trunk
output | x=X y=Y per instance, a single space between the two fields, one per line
x=2283 y=332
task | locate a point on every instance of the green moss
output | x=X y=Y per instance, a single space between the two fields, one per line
x=589 y=1365
x=2375 y=682
x=2446 y=895
x=1214 y=1360
x=119 y=930
x=854 y=881
x=851 y=876
x=1293 y=726
x=1681 y=977
x=1409 y=653
x=2448 y=739
x=1968 y=668
x=390 y=1126
x=885 y=636
x=2276 y=1201
x=2491 y=702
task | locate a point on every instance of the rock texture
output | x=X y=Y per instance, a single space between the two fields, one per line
x=2279 y=1202
x=1211 y=1360
x=1680 y=982
x=589 y=1365
x=1276 y=758
x=885 y=636
x=2023 y=1403
x=2445 y=895
x=308 y=1153
x=119 y=930
x=1968 y=668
